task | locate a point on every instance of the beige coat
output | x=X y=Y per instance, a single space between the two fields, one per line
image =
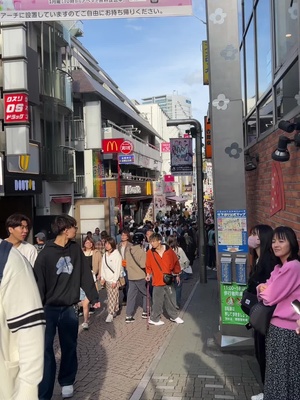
x=97 y=262
x=136 y=252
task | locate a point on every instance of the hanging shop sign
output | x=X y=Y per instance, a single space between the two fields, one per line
x=15 y=108
x=126 y=159
x=22 y=173
x=181 y=157
x=111 y=145
x=126 y=147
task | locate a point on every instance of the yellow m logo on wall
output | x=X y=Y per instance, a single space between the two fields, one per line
x=24 y=160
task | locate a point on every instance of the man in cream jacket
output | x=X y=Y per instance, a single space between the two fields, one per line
x=22 y=325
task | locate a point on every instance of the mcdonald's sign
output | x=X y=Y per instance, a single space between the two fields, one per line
x=111 y=145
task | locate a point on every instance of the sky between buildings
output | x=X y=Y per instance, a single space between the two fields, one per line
x=153 y=56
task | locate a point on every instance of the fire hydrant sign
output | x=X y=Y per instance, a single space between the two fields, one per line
x=16 y=108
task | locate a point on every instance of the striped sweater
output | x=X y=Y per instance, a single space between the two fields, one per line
x=22 y=327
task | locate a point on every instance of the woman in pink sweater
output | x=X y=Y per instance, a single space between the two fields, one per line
x=282 y=342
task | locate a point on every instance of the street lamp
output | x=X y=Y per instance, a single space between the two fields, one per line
x=197 y=134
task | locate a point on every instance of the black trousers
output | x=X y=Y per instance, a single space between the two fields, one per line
x=260 y=353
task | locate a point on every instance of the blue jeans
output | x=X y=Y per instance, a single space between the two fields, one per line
x=65 y=320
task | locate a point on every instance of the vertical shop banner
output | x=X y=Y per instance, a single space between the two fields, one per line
x=205 y=65
x=181 y=156
x=231 y=311
x=165 y=147
x=15 y=108
x=208 y=144
x=50 y=10
x=99 y=184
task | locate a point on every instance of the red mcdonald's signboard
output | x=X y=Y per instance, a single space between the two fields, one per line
x=111 y=145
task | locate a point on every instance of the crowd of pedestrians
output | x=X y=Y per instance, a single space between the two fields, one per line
x=50 y=281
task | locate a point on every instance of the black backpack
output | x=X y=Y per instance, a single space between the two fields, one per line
x=4 y=252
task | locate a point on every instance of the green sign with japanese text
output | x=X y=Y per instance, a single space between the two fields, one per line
x=231 y=311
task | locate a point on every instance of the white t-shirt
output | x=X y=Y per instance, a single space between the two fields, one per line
x=28 y=251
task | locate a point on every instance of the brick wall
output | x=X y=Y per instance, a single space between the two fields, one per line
x=258 y=185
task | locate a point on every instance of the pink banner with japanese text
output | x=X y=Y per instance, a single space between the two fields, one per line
x=49 y=10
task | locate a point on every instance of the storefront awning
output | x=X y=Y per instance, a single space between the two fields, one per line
x=177 y=199
x=61 y=199
x=134 y=199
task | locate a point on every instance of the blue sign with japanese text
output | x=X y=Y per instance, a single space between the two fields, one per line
x=232 y=231
x=126 y=159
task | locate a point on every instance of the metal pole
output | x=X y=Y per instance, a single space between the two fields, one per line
x=201 y=230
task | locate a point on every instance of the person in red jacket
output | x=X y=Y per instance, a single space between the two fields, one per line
x=162 y=259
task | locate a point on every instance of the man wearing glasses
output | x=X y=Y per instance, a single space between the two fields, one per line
x=61 y=270
x=18 y=227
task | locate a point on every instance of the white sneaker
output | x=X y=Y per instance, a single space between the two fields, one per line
x=156 y=323
x=85 y=326
x=259 y=396
x=177 y=320
x=67 y=391
x=109 y=318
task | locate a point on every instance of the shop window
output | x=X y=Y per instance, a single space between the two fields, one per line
x=248 y=8
x=251 y=129
x=240 y=20
x=287 y=91
x=263 y=43
x=286 y=29
x=250 y=69
x=266 y=115
x=242 y=78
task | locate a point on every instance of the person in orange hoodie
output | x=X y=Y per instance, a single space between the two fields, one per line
x=160 y=260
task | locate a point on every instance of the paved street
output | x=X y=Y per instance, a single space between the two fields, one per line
x=120 y=361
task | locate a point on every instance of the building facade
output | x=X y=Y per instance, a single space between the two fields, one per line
x=52 y=151
x=269 y=37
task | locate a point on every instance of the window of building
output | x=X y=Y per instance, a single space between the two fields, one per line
x=240 y=20
x=251 y=129
x=242 y=78
x=266 y=114
x=248 y=8
x=250 y=69
x=287 y=91
x=286 y=29
x=263 y=43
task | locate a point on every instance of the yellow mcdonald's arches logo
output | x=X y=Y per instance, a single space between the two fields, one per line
x=148 y=188
x=112 y=146
x=24 y=160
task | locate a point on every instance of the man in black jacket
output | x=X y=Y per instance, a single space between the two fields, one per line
x=61 y=270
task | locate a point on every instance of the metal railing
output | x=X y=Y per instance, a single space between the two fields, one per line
x=56 y=84
x=129 y=133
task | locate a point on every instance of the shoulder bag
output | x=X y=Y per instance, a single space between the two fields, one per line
x=167 y=278
x=134 y=259
x=121 y=279
x=260 y=317
x=248 y=301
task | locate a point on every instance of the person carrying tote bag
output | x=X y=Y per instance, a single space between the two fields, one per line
x=110 y=273
x=282 y=381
